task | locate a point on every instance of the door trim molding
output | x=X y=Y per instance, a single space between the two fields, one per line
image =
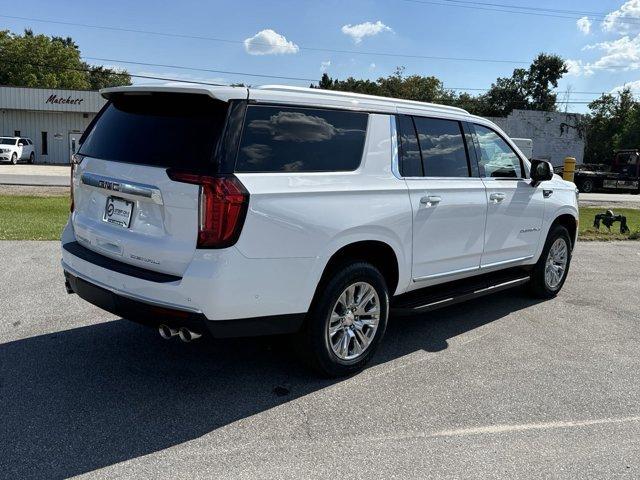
x=471 y=269
x=506 y=262
x=445 y=274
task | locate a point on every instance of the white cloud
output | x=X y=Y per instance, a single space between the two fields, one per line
x=584 y=25
x=372 y=67
x=324 y=66
x=366 y=29
x=625 y=20
x=269 y=42
x=574 y=67
x=634 y=86
x=620 y=54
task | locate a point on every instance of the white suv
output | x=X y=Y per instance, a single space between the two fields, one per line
x=237 y=212
x=14 y=149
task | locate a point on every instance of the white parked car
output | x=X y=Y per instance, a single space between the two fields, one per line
x=294 y=210
x=15 y=149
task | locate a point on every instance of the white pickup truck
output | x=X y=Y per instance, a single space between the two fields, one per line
x=302 y=211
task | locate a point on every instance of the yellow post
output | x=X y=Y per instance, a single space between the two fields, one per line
x=569 y=168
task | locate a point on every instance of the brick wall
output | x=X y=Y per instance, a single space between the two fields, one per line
x=555 y=135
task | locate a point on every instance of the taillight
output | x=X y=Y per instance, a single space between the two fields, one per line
x=223 y=205
x=76 y=159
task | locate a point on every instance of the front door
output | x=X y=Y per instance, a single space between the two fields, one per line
x=73 y=144
x=515 y=209
x=449 y=206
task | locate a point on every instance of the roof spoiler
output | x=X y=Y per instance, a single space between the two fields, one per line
x=222 y=93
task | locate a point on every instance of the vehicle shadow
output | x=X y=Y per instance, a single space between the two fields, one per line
x=78 y=400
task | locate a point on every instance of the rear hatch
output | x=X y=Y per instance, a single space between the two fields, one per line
x=126 y=206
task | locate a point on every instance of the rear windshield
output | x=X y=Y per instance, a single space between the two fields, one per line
x=7 y=141
x=159 y=129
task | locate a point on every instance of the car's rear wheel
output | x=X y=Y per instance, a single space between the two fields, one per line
x=31 y=158
x=550 y=273
x=14 y=159
x=347 y=321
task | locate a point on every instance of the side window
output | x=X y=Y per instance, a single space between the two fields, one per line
x=442 y=145
x=496 y=158
x=282 y=139
x=410 y=158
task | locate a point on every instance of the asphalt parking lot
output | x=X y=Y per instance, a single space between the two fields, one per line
x=504 y=386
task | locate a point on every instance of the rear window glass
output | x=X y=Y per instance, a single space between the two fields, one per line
x=159 y=129
x=281 y=139
x=443 y=150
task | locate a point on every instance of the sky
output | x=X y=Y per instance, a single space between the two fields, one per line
x=301 y=39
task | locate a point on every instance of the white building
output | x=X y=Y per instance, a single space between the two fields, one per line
x=53 y=118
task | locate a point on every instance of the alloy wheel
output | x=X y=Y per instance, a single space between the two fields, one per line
x=354 y=321
x=556 y=264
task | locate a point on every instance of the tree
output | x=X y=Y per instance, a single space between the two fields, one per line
x=102 y=77
x=527 y=89
x=613 y=123
x=542 y=77
x=31 y=60
x=530 y=88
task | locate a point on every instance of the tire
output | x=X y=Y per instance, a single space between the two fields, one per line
x=14 y=159
x=317 y=345
x=587 y=186
x=542 y=284
x=31 y=158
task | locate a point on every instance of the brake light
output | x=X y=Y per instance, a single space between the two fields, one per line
x=223 y=203
x=76 y=159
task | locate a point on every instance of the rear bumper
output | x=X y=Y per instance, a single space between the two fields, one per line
x=155 y=315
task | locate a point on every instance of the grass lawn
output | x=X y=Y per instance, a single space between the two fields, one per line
x=588 y=232
x=32 y=218
x=42 y=218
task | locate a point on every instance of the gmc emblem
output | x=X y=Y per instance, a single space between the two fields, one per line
x=115 y=186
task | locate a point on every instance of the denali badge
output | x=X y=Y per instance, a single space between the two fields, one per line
x=529 y=230
x=146 y=260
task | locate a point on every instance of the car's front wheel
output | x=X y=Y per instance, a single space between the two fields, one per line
x=14 y=158
x=31 y=158
x=347 y=320
x=550 y=273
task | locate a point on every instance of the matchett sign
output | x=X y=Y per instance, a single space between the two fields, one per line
x=61 y=100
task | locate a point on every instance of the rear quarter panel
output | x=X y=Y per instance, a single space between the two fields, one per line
x=312 y=215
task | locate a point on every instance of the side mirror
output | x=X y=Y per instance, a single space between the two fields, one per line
x=541 y=171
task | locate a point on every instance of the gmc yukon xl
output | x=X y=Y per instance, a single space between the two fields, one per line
x=235 y=212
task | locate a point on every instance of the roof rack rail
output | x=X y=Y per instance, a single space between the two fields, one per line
x=336 y=93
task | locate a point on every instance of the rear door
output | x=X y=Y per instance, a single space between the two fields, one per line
x=449 y=204
x=126 y=206
x=515 y=208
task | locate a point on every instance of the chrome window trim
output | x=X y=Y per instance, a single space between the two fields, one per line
x=395 y=156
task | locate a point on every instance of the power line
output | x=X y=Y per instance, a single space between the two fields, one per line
x=241 y=42
x=520 y=7
x=535 y=11
x=198 y=69
x=353 y=52
x=80 y=69
x=170 y=79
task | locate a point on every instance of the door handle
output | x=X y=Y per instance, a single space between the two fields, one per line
x=497 y=197
x=430 y=200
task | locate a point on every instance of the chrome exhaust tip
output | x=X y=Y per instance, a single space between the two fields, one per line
x=167 y=332
x=187 y=335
